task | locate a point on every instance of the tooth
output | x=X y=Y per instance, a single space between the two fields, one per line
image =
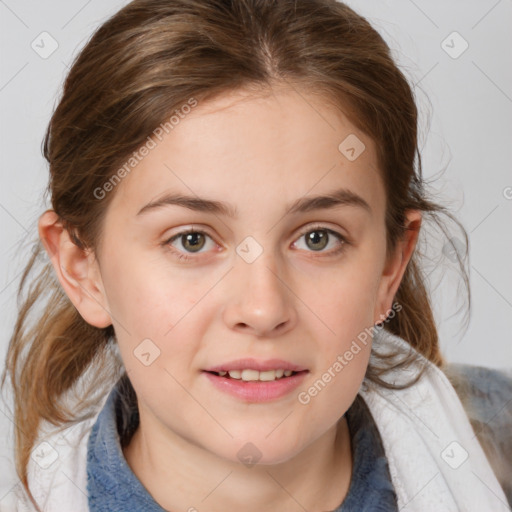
x=268 y=375
x=250 y=375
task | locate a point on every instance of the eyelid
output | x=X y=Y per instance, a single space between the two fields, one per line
x=186 y=231
x=343 y=239
x=323 y=227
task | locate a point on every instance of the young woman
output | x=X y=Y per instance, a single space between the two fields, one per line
x=234 y=314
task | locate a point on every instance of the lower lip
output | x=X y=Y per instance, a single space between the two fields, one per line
x=257 y=391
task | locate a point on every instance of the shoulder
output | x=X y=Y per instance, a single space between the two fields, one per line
x=57 y=469
x=486 y=395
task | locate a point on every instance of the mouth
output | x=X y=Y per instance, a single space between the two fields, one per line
x=249 y=375
x=252 y=386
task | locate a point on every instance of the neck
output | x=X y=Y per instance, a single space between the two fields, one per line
x=183 y=476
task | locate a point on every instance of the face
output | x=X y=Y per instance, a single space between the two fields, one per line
x=259 y=271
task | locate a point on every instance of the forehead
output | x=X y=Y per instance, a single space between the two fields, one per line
x=251 y=149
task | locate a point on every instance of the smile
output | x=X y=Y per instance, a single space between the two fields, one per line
x=254 y=375
x=254 y=386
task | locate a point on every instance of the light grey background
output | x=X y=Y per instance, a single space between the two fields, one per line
x=470 y=137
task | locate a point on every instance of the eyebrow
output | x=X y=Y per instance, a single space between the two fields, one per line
x=340 y=197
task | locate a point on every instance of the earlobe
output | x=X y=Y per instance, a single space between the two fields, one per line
x=77 y=270
x=396 y=265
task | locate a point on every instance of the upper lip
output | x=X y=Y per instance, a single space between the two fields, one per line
x=254 y=364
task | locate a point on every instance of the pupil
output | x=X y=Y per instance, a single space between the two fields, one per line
x=317 y=237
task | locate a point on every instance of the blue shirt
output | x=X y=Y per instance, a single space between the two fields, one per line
x=485 y=393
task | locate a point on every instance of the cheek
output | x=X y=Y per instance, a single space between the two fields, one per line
x=343 y=350
x=343 y=299
x=349 y=316
x=343 y=308
x=154 y=317
x=148 y=297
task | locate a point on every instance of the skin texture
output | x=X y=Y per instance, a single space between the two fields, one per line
x=259 y=153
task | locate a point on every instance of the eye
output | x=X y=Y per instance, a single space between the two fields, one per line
x=317 y=238
x=191 y=242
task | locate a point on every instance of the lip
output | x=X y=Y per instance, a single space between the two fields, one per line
x=255 y=364
x=257 y=392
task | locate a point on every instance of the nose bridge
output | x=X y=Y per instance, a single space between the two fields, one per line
x=260 y=299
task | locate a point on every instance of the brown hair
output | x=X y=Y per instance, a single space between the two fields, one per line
x=149 y=59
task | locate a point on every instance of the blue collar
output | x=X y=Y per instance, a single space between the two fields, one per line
x=113 y=487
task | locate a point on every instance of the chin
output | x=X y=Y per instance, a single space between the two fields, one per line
x=258 y=450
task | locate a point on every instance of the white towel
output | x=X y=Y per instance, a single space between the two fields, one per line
x=435 y=460
x=58 y=485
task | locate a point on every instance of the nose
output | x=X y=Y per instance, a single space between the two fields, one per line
x=260 y=301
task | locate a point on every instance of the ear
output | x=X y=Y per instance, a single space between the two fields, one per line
x=77 y=270
x=395 y=266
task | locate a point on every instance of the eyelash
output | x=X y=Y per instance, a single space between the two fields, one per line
x=188 y=256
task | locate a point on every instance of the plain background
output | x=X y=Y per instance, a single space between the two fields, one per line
x=467 y=94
